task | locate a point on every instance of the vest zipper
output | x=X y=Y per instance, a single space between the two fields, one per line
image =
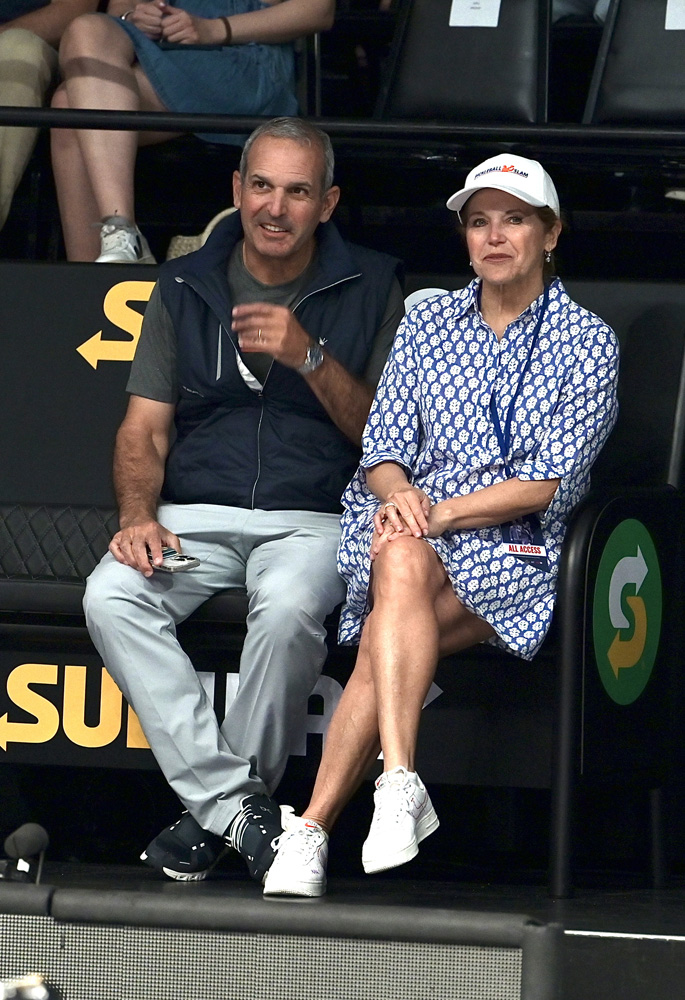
x=259 y=450
x=324 y=288
x=314 y=291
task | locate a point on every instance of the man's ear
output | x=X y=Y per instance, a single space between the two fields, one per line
x=237 y=188
x=330 y=200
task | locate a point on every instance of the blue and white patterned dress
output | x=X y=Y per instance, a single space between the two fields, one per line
x=432 y=415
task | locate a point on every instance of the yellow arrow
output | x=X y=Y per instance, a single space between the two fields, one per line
x=117 y=310
x=626 y=653
x=23 y=696
x=96 y=349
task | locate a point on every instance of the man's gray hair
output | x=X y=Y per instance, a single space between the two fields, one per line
x=298 y=130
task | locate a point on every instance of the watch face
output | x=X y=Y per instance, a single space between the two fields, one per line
x=312 y=361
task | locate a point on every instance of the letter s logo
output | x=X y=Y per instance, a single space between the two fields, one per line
x=117 y=310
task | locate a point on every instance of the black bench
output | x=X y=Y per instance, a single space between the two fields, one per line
x=494 y=722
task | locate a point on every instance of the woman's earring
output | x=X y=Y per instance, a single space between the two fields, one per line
x=548 y=256
x=470 y=263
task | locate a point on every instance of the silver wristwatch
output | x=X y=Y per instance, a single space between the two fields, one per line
x=312 y=361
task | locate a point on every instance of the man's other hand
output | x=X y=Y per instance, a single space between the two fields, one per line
x=136 y=544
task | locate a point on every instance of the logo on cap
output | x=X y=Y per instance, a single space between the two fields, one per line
x=503 y=169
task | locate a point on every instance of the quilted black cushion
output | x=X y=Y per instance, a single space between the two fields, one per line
x=59 y=543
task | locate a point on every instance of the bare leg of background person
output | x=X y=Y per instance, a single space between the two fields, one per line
x=94 y=169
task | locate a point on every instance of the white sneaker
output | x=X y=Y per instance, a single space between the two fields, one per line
x=122 y=243
x=403 y=817
x=299 y=868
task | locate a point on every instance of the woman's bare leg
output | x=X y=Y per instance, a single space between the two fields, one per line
x=416 y=619
x=352 y=743
x=77 y=206
x=94 y=169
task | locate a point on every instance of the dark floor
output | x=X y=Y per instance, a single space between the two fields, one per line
x=623 y=909
x=619 y=943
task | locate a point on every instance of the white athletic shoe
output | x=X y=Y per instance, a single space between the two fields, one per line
x=122 y=243
x=403 y=817
x=299 y=868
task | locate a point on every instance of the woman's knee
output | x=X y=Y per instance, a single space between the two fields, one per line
x=88 y=35
x=405 y=563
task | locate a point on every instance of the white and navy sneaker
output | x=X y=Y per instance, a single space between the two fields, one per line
x=122 y=243
x=403 y=817
x=253 y=833
x=184 y=851
x=299 y=868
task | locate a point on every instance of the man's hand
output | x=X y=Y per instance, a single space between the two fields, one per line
x=135 y=544
x=273 y=330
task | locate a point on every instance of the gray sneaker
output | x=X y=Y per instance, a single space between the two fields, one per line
x=122 y=243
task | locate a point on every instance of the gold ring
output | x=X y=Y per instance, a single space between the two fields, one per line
x=259 y=334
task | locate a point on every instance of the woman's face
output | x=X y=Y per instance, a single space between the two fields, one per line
x=506 y=238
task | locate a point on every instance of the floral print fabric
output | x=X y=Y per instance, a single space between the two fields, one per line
x=432 y=415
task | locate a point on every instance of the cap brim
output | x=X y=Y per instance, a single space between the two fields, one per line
x=456 y=202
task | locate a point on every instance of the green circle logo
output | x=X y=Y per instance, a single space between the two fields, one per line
x=627 y=611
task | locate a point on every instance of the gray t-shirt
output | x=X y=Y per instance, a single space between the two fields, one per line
x=153 y=371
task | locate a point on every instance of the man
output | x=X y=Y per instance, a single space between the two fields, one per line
x=30 y=31
x=264 y=348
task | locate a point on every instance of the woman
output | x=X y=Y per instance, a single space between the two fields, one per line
x=492 y=407
x=216 y=56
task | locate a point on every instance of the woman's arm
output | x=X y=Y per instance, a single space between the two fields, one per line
x=494 y=504
x=282 y=21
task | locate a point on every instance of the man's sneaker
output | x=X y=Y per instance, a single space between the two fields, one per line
x=184 y=851
x=299 y=868
x=403 y=817
x=122 y=243
x=254 y=832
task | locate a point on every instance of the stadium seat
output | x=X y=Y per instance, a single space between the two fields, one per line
x=468 y=74
x=639 y=75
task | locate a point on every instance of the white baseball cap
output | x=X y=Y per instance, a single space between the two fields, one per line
x=525 y=179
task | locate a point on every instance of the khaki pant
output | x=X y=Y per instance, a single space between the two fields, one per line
x=27 y=65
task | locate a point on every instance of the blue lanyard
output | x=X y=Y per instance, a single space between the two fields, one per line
x=504 y=436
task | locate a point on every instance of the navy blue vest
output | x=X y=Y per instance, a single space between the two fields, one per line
x=276 y=449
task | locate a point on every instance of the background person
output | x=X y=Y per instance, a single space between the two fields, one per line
x=121 y=63
x=30 y=31
x=263 y=349
x=493 y=406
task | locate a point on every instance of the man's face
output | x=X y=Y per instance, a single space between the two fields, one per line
x=281 y=202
